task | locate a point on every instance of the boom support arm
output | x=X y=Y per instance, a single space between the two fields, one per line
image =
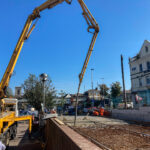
x=92 y=24
x=24 y=35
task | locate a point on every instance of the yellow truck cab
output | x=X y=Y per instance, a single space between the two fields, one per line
x=9 y=105
x=8 y=119
x=8 y=113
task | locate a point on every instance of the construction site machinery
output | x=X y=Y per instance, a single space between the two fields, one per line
x=92 y=25
x=9 y=118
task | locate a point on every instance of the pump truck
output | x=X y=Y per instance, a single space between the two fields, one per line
x=8 y=106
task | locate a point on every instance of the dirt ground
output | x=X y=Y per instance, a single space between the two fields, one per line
x=22 y=141
x=117 y=139
x=113 y=133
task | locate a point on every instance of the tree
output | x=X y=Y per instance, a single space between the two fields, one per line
x=9 y=92
x=115 y=89
x=103 y=89
x=33 y=91
x=62 y=96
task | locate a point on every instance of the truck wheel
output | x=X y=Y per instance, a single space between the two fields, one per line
x=11 y=133
x=15 y=130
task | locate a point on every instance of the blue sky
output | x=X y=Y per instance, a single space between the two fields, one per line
x=60 y=41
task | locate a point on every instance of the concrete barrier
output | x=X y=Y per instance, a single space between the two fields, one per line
x=141 y=114
x=60 y=137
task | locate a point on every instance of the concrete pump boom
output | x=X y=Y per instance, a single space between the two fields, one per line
x=92 y=24
x=24 y=36
x=9 y=118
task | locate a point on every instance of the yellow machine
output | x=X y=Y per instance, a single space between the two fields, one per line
x=8 y=117
x=92 y=24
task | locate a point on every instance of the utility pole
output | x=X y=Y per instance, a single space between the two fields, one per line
x=103 y=90
x=103 y=86
x=124 y=91
x=92 y=86
x=97 y=84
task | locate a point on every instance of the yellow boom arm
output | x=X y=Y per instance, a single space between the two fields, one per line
x=24 y=35
x=92 y=24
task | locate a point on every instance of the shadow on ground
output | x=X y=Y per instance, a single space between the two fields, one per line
x=22 y=141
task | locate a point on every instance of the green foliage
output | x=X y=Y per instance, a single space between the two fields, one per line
x=33 y=92
x=104 y=89
x=115 y=89
x=62 y=95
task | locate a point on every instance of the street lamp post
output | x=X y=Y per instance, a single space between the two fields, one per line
x=43 y=78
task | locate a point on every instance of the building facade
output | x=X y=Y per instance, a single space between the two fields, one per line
x=18 y=92
x=93 y=94
x=140 y=74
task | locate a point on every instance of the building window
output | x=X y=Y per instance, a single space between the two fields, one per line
x=146 y=49
x=148 y=80
x=148 y=65
x=140 y=82
x=140 y=68
x=134 y=68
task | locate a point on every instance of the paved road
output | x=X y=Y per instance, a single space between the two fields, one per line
x=22 y=142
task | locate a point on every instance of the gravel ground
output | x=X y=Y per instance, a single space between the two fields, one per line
x=113 y=133
x=83 y=121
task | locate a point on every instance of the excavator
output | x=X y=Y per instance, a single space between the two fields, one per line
x=8 y=106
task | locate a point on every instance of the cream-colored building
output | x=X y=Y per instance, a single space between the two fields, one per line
x=140 y=74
